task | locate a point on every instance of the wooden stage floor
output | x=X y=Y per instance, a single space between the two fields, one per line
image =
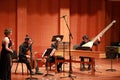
x=100 y=74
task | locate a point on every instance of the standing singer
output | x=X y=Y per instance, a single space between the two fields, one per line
x=5 y=60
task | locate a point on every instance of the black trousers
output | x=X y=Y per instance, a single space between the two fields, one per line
x=24 y=60
x=82 y=59
x=51 y=59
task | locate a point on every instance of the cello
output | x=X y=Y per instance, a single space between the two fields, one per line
x=32 y=60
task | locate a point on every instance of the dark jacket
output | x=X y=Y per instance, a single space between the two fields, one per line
x=23 y=48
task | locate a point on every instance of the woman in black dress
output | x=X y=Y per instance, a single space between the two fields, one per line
x=5 y=62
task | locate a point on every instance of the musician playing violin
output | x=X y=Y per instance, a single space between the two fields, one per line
x=24 y=57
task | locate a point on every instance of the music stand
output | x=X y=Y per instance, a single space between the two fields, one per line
x=57 y=37
x=48 y=52
x=111 y=52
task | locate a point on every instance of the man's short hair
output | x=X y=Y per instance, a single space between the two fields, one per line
x=27 y=38
x=85 y=37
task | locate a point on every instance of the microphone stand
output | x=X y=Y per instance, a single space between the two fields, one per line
x=31 y=78
x=70 y=36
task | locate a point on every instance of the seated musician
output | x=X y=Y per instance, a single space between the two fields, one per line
x=25 y=58
x=85 y=40
x=51 y=59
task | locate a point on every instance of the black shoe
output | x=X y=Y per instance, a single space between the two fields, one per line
x=82 y=69
x=38 y=72
x=32 y=73
x=89 y=68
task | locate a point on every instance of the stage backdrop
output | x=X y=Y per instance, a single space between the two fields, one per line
x=41 y=20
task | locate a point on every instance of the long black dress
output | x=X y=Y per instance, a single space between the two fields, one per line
x=5 y=65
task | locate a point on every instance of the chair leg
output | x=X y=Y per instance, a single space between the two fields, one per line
x=50 y=66
x=22 y=69
x=16 y=68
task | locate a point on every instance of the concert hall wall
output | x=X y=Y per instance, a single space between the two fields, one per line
x=41 y=20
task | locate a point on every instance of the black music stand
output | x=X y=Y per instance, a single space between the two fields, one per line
x=55 y=37
x=48 y=52
x=111 y=52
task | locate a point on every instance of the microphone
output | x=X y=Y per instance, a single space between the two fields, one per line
x=63 y=16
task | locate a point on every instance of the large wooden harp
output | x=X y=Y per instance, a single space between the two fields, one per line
x=90 y=43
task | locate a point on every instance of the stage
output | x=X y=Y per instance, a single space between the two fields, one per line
x=100 y=74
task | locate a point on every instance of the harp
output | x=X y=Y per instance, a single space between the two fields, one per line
x=90 y=43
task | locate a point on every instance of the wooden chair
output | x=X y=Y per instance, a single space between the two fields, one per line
x=15 y=59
